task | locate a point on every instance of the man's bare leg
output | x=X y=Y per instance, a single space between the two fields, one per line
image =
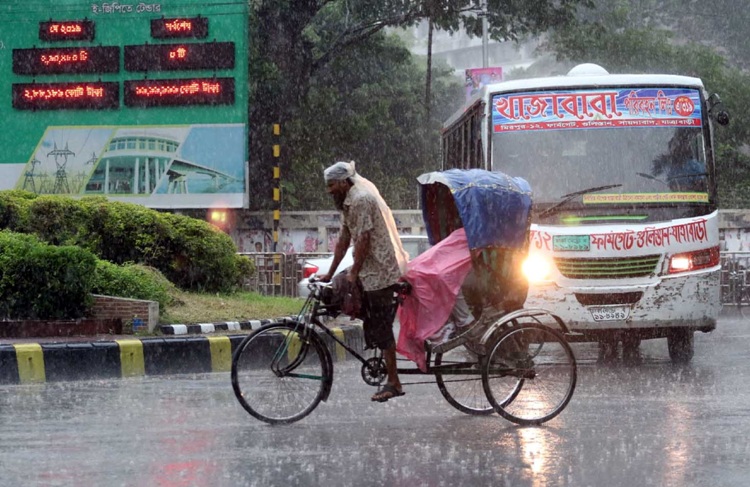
x=393 y=383
x=391 y=366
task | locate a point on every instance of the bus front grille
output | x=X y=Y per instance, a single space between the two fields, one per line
x=607 y=268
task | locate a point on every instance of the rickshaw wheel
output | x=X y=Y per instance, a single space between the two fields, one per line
x=536 y=362
x=463 y=392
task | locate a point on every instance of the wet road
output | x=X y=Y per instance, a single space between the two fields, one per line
x=651 y=424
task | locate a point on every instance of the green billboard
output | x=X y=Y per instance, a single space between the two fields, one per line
x=136 y=101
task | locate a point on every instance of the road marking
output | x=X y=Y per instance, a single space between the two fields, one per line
x=221 y=353
x=340 y=351
x=131 y=358
x=30 y=362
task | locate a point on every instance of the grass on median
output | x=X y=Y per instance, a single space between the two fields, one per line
x=190 y=307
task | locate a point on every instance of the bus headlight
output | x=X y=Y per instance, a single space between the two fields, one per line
x=692 y=261
x=537 y=268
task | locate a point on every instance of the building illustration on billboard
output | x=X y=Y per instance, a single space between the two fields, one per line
x=121 y=161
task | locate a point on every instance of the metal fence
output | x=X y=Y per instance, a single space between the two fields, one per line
x=735 y=278
x=277 y=274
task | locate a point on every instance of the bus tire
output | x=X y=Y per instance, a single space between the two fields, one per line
x=680 y=342
x=630 y=348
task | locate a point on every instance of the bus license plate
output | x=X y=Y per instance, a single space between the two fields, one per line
x=566 y=243
x=610 y=313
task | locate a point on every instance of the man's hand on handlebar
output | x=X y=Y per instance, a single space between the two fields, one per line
x=324 y=278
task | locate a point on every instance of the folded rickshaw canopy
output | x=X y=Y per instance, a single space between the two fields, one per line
x=492 y=207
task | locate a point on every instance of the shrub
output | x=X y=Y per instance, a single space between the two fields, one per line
x=126 y=232
x=132 y=281
x=189 y=252
x=40 y=281
x=57 y=220
x=245 y=269
x=204 y=258
x=14 y=209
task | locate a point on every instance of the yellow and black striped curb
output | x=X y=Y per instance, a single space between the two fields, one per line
x=51 y=362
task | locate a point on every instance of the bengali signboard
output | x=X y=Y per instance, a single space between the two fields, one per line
x=596 y=108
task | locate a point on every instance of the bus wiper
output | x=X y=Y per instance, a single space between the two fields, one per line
x=652 y=178
x=570 y=196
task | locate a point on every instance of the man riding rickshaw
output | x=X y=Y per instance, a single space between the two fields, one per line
x=501 y=357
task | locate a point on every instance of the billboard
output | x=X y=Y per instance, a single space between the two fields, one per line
x=140 y=102
x=596 y=108
x=476 y=78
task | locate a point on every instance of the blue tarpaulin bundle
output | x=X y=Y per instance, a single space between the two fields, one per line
x=493 y=207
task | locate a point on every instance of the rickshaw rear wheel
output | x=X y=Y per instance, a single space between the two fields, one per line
x=537 y=363
x=463 y=391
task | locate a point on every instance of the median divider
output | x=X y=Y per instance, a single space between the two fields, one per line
x=28 y=363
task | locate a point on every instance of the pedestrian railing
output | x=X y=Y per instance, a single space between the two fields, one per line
x=277 y=274
x=735 y=278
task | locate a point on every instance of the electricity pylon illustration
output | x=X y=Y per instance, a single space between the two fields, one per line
x=61 y=177
x=29 y=179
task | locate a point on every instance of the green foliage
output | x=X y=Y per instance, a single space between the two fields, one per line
x=58 y=220
x=40 y=281
x=202 y=257
x=126 y=232
x=14 y=209
x=192 y=253
x=368 y=106
x=315 y=63
x=132 y=281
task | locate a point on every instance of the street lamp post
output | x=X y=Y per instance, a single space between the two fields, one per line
x=485 y=53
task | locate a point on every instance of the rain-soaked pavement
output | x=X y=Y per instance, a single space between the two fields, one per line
x=649 y=425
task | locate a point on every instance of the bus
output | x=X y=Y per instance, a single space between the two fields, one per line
x=624 y=240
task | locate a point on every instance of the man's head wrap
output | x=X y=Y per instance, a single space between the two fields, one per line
x=339 y=171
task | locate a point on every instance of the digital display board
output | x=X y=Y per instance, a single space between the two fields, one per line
x=68 y=30
x=59 y=60
x=171 y=133
x=196 y=27
x=175 y=92
x=174 y=57
x=56 y=96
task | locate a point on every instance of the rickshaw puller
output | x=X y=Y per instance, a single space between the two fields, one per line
x=379 y=261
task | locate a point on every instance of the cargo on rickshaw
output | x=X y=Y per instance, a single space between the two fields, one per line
x=501 y=358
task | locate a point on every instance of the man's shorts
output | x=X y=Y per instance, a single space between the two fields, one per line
x=378 y=311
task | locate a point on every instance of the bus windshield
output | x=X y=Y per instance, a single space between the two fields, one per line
x=620 y=164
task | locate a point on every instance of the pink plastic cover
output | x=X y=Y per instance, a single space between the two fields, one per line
x=436 y=277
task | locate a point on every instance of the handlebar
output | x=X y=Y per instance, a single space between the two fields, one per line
x=314 y=281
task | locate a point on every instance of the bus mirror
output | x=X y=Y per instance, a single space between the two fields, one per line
x=714 y=102
x=722 y=118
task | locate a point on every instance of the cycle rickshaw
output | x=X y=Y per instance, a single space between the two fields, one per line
x=516 y=362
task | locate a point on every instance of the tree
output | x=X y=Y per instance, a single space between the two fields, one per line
x=367 y=106
x=293 y=41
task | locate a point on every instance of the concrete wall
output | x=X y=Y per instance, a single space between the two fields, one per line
x=317 y=231
x=305 y=231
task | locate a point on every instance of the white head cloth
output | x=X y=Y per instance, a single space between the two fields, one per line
x=339 y=171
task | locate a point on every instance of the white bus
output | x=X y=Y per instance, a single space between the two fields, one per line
x=624 y=241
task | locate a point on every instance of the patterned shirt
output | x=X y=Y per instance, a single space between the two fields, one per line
x=386 y=260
